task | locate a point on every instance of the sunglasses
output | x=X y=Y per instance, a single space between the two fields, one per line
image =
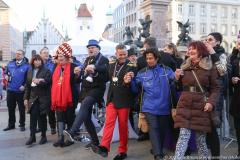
x=209 y=39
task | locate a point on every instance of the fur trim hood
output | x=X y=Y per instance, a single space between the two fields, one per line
x=205 y=63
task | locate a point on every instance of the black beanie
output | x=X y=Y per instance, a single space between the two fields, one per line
x=217 y=36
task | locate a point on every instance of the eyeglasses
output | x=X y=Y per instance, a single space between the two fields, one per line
x=209 y=39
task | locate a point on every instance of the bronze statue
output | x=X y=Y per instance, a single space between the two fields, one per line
x=145 y=27
x=143 y=31
x=129 y=34
x=184 y=37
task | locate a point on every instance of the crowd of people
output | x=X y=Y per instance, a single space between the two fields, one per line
x=180 y=97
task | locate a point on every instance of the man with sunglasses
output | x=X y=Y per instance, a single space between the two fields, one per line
x=219 y=58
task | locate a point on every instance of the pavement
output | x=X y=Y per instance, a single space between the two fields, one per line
x=12 y=146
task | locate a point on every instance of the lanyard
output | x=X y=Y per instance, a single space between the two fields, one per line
x=115 y=72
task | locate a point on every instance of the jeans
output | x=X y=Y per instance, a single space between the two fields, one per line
x=157 y=129
x=84 y=116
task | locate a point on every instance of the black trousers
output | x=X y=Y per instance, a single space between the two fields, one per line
x=14 y=98
x=52 y=119
x=213 y=143
x=67 y=117
x=84 y=116
x=35 y=117
x=237 y=129
x=157 y=129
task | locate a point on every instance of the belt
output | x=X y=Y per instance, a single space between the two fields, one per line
x=191 y=89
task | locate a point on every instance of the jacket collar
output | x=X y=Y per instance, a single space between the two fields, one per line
x=205 y=63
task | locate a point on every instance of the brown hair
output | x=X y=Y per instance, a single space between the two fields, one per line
x=201 y=48
x=174 y=48
x=34 y=58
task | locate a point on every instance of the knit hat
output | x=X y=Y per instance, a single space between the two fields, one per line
x=131 y=52
x=64 y=49
x=93 y=42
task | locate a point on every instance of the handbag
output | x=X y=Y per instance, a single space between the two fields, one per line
x=214 y=115
x=142 y=122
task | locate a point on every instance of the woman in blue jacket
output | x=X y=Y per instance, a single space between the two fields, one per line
x=155 y=82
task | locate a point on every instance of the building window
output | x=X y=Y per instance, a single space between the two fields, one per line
x=180 y=9
x=203 y=10
x=81 y=27
x=234 y=30
x=192 y=28
x=191 y=10
x=224 y=12
x=234 y=13
x=203 y=28
x=213 y=11
x=224 y=29
x=88 y=27
x=213 y=27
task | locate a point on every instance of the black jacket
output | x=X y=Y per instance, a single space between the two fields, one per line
x=96 y=88
x=235 y=88
x=119 y=93
x=165 y=59
x=41 y=92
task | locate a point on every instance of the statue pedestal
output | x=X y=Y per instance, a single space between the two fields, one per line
x=157 y=9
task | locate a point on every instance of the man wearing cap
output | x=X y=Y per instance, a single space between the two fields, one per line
x=132 y=55
x=94 y=78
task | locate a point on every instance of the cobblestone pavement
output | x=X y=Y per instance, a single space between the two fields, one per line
x=12 y=147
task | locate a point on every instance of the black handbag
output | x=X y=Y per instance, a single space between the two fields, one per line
x=214 y=115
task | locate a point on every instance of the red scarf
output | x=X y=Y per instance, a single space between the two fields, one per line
x=61 y=92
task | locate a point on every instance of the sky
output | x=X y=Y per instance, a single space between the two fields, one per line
x=60 y=12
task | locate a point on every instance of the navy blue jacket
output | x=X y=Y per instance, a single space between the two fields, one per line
x=17 y=75
x=49 y=65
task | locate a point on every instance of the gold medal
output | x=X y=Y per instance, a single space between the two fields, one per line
x=114 y=79
x=60 y=81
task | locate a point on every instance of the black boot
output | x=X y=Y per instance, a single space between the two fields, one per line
x=43 y=140
x=31 y=140
x=103 y=151
x=60 y=142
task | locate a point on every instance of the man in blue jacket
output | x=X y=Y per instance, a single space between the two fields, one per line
x=48 y=63
x=16 y=72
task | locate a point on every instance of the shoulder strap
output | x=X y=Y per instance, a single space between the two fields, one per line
x=199 y=85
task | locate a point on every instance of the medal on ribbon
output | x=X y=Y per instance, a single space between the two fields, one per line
x=115 y=79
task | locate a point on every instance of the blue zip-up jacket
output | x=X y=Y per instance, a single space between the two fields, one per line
x=17 y=74
x=156 y=91
x=49 y=65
